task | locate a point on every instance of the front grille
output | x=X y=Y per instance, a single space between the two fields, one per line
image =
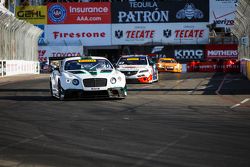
x=95 y=82
x=129 y=73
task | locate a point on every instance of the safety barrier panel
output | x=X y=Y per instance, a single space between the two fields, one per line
x=18 y=45
x=227 y=66
x=248 y=69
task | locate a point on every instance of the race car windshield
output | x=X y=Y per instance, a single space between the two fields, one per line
x=88 y=65
x=133 y=61
x=168 y=61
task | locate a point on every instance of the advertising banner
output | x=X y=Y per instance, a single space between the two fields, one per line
x=228 y=51
x=32 y=14
x=85 y=34
x=45 y=52
x=79 y=13
x=174 y=33
x=179 y=52
x=222 y=13
x=149 y=11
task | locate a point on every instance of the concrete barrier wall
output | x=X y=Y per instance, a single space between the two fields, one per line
x=245 y=67
x=248 y=69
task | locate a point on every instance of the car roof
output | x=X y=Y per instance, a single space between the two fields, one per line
x=128 y=56
x=166 y=59
x=85 y=57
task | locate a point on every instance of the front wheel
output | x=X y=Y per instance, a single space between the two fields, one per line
x=60 y=92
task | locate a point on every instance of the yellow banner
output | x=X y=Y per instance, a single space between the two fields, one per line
x=133 y=59
x=32 y=14
x=87 y=61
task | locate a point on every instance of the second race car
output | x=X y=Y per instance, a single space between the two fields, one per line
x=138 y=68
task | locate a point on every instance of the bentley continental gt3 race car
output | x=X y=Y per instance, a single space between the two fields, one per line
x=87 y=77
x=138 y=68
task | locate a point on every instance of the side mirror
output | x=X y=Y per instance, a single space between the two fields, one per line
x=115 y=65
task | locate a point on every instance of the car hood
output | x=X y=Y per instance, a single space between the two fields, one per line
x=168 y=64
x=93 y=74
x=131 y=67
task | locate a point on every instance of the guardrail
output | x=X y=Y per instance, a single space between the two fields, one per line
x=18 y=45
x=245 y=67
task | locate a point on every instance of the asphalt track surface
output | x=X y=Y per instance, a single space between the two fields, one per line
x=184 y=120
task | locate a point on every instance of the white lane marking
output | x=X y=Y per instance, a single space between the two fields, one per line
x=20 y=142
x=221 y=84
x=244 y=101
x=236 y=105
x=158 y=152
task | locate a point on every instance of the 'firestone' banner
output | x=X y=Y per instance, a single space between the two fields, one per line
x=79 y=13
x=32 y=14
x=149 y=11
x=83 y=34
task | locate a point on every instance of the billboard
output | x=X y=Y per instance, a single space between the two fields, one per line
x=45 y=52
x=149 y=11
x=79 y=13
x=222 y=13
x=174 y=33
x=179 y=52
x=227 y=51
x=83 y=34
x=32 y=14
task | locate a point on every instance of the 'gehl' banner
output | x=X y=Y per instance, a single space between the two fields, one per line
x=79 y=13
x=150 y=11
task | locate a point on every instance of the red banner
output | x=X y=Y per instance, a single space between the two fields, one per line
x=79 y=13
x=228 y=51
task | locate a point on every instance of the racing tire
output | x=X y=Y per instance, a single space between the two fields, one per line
x=60 y=92
x=51 y=89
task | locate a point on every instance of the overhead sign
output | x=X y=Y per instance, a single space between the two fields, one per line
x=85 y=34
x=227 y=51
x=149 y=11
x=174 y=33
x=222 y=12
x=46 y=52
x=79 y=13
x=32 y=14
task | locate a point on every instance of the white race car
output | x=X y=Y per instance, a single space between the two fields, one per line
x=87 y=77
x=138 y=68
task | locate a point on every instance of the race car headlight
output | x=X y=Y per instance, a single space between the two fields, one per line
x=113 y=80
x=75 y=82
x=142 y=71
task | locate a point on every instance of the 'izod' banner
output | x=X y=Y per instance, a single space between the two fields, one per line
x=149 y=11
x=83 y=34
x=174 y=33
x=32 y=14
x=227 y=51
x=79 y=13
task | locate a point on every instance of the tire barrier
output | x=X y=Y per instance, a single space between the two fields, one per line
x=226 y=66
x=18 y=45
